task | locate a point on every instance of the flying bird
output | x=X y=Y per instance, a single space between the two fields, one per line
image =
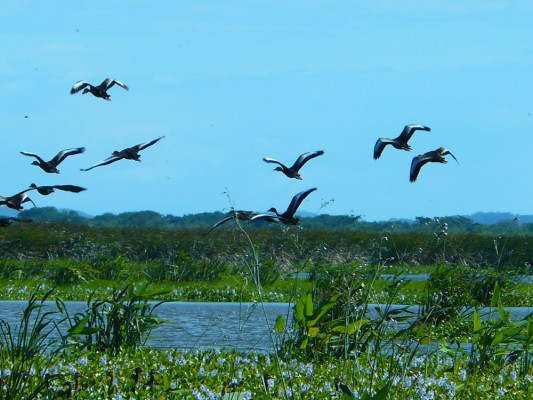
x=51 y=166
x=292 y=172
x=15 y=202
x=97 y=91
x=131 y=153
x=6 y=221
x=241 y=215
x=400 y=142
x=287 y=217
x=431 y=156
x=46 y=190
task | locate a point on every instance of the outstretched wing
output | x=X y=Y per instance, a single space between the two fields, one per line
x=18 y=199
x=143 y=146
x=295 y=203
x=379 y=146
x=70 y=188
x=108 y=84
x=299 y=163
x=65 y=153
x=450 y=153
x=408 y=131
x=273 y=161
x=417 y=163
x=27 y=153
x=268 y=217
x=105 y=162
x=80 y=85
x=221 y=222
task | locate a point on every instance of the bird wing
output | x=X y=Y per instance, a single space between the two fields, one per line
x=70 y=188
x=19 y=198
x=221 y=222
x=27 y=153
x=379 y=146
x=273 y=161
x=295 y=203
x=450 y=153
x=408 y=131
x=143 y=146
x=26 y=199
x=268 y=217
x=105 y=162
x=24 y=191
x=65 y=153
x=79 y=86
x=417 y=163
x=299 y=163
x=108 y=84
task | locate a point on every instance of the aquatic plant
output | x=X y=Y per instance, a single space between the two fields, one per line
x=123 y=320
x=22 y=346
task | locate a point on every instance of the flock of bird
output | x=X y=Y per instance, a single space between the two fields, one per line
x=402 y=143
x=288 y=218
x=132 y=153
x=16 y=201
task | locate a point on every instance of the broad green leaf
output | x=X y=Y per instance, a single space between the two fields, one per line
x=309 y=308
x=351 y=328
x=383 y=392
x=313 y=331
x=477 y=320
x=495 y=295
x=280 y=324
x=347 y=391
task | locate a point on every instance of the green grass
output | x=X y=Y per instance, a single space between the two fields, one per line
x=400 y=372
x=230 y=289
x=331 y=337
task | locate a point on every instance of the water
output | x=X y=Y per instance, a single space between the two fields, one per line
x=238 y=326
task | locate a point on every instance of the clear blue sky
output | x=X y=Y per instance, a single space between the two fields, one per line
x=229 y=83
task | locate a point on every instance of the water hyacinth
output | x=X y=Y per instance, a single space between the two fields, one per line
x=375 y=359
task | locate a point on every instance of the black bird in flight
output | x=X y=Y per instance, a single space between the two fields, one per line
x=401 y=141
x=46 y=190
x=97 y=91
x=15 y=202
x=131 y=153
x=241 y=215
x=431 y=156
x=292 y=172
x=287 y=217
x=51 y=166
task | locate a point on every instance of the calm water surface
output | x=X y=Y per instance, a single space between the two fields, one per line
x=239 y=326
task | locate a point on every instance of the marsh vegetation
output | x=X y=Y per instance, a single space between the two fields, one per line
x=449 y=348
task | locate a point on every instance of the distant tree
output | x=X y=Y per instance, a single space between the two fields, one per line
x=52 y=214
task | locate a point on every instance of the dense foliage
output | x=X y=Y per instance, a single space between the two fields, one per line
x=494 y=223
x=286 y=248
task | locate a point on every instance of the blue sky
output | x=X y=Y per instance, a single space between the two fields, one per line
x=229 y=83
